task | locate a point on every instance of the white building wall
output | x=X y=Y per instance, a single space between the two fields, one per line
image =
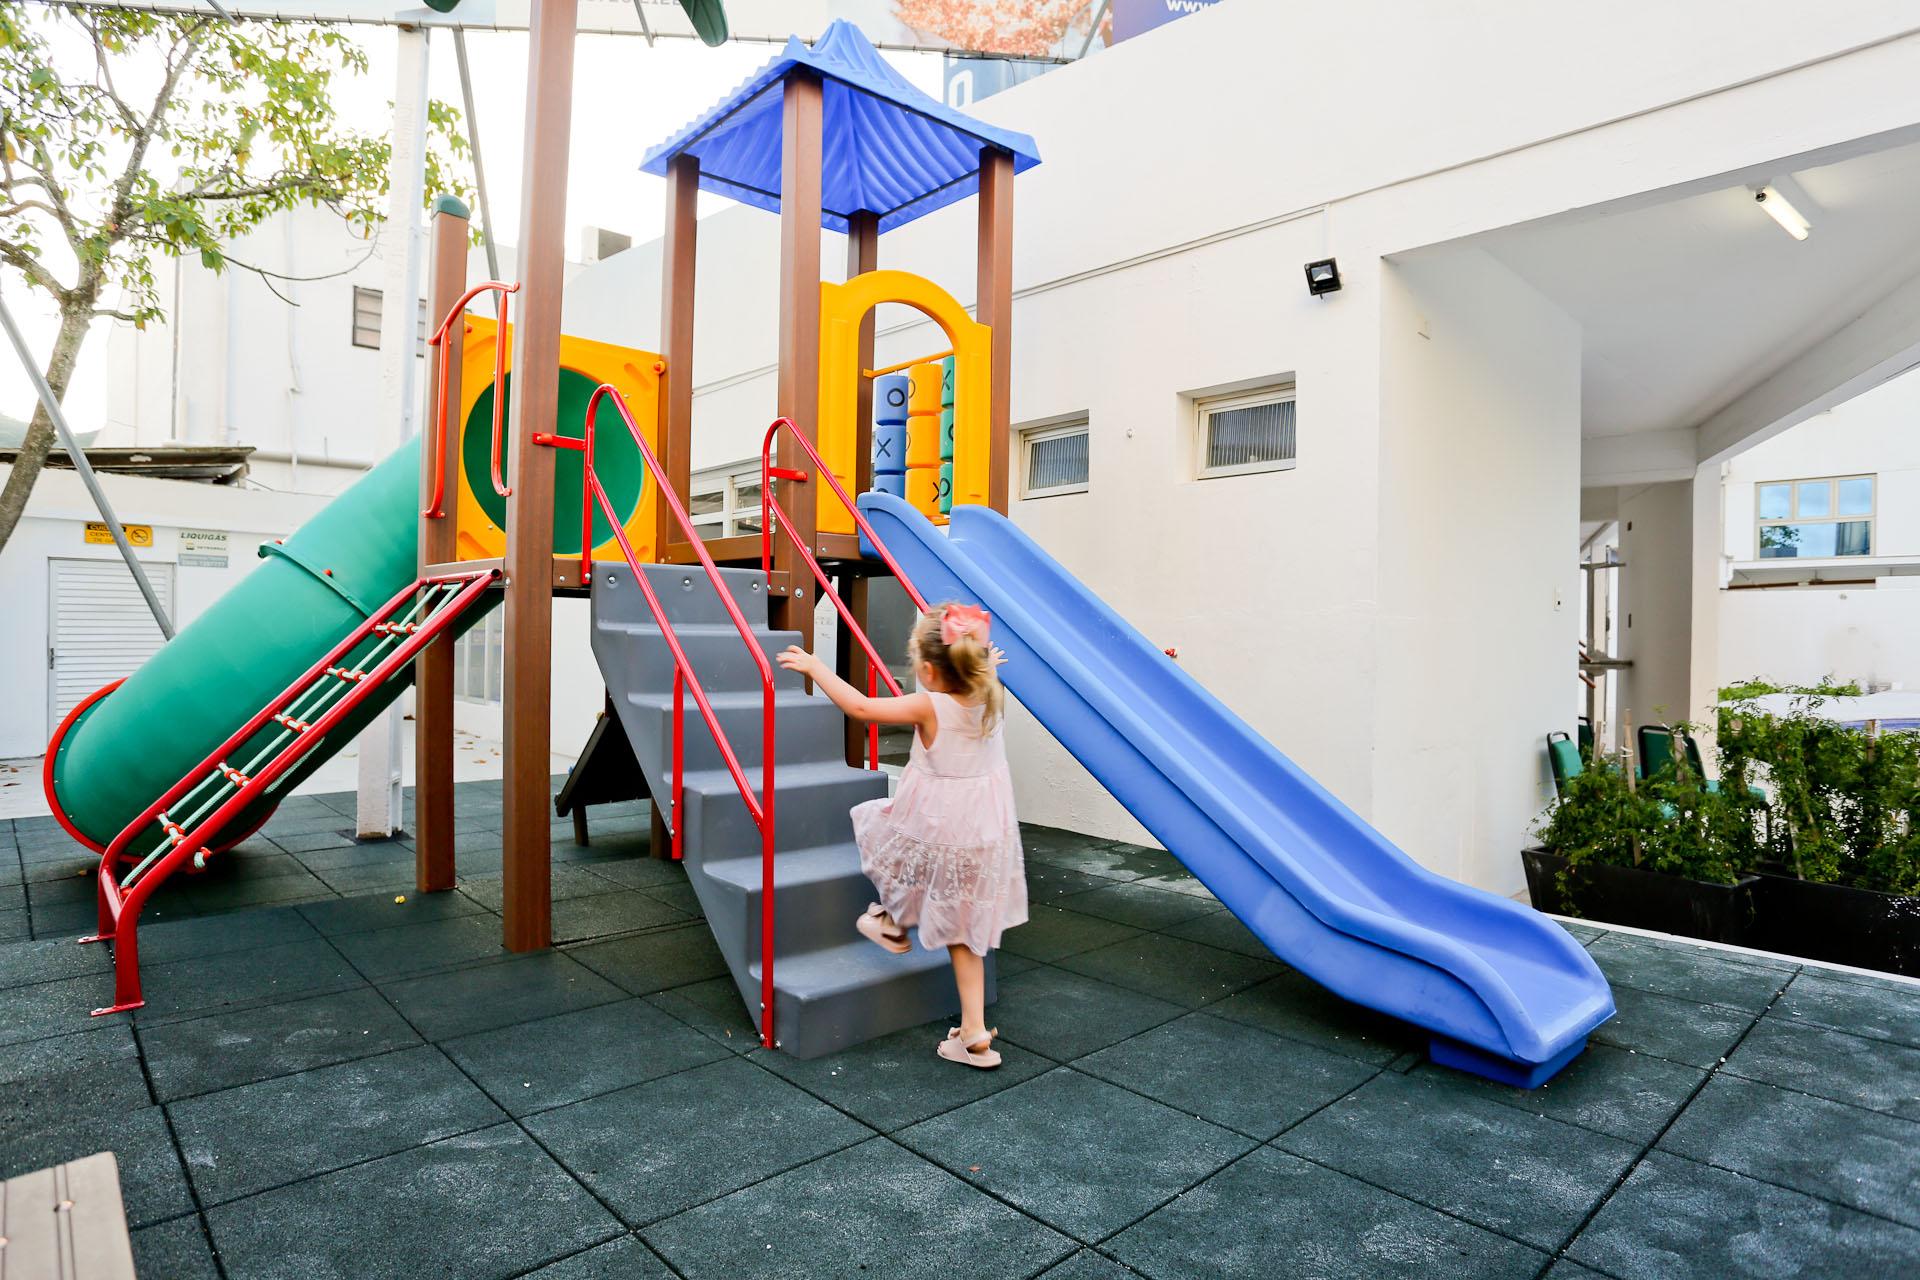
x=1656 y=604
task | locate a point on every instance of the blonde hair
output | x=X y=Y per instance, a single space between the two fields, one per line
x=965 y=667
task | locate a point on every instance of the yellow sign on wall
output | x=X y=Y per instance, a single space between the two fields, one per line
x=139 y=535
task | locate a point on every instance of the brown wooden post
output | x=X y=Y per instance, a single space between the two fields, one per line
x=527 y=686
x=863 y=255
x=994 y=306
x=433 y=673
x=799 y=388
x=676 y=339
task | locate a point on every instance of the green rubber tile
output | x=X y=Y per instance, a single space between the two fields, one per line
x=371 y=853
x=1858 y=1158
x=1111 y=861
x=1582 y=933
x=655 y=961
x=1687 y=1031
x=1611 y=1091
x=1524 y=1176
x=1053 y=933
x=368 y=878
x=245 y=1045
x=1063 y=1015
x=900 y=1078
x=1141 y=905
x=268 y=975
x=13 y=897
x=57 y=1008
x=240 y=1141
x=1295 y=1006
x=68 y=862
x=42 y=894
x=14 y=926
x=1879 y=1075
x=1081 y=1155
x=623 y=1259
x=681 y=897
x=216 y=935
x=481 y=997
x=871 y=1210
x=1690 y=973
x=608 y=914
x=479 y=1205
x=194 y=896
x=1186 y=973
x=176 y=1250
x=658 y=1148
x=384 y=954
x=713 y=1008
x=1864 y=1007
x=1229 y=1073
x=1049 y=883
x=151 y=1181
x=25 y=963
x=281 y=829
x=1674 y=1217
x=1273 y=1214
x=568 y=883
x=639 y=873
x=1223 y=929
x=1085 y=1264
x=65 y=1079
x=1177 y=880
x=385 y=911
x=536 y=1066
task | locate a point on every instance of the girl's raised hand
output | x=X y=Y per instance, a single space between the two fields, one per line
x=997 y=655
x=794 y=658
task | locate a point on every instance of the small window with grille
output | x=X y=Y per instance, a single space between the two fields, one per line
x=1238 y=434
x=1054 y=459
x=366 y=320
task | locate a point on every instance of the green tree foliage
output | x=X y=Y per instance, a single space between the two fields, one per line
x=129 y=137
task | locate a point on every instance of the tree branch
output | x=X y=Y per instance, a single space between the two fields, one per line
x=30 y=267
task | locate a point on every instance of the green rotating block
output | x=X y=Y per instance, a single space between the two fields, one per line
x=946 y=434
x=946 y=486
x=946 y=384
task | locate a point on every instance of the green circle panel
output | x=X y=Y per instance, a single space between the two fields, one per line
x=616 y=461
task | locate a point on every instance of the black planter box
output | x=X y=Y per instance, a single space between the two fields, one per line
x=1837 y=923
x=1644 y=899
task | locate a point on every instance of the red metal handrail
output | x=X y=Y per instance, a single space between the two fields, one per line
x=116 y=902
x=443 y=373
x=685 y=677
x=770 y=507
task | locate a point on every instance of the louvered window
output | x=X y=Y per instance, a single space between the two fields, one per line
x=1055 y=460
x=1242 y=433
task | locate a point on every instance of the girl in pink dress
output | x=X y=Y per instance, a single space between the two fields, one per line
x=944 y=850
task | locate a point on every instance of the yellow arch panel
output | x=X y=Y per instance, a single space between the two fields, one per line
x=842 y=308
x=634 y=373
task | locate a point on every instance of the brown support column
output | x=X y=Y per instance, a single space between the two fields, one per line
x=676 y=339
x=863 y=255
x=527 y=686
x=433 y=671
x=994 y=306
x=799 y=391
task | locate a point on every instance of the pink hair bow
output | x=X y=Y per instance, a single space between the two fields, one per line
x=958 y=620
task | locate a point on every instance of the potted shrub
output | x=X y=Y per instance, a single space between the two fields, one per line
x=1655 y=855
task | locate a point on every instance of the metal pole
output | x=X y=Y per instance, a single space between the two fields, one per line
x=479 y=169
x=85 y=468
x=1094 y=30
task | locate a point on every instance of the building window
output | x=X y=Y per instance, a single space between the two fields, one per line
x=366 y=320
x=1815 y=519
x=725 y=501
x=477 y=659
x=1242 y=433
x=1054 y=459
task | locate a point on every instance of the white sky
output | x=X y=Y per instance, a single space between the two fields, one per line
x=626 y=98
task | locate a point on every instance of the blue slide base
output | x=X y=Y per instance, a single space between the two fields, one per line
x=1521 y=1075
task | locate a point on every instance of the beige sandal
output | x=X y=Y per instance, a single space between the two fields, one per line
x=873 y=927
x=953 y=1050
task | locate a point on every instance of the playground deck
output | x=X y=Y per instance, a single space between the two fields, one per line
x=327 y=1082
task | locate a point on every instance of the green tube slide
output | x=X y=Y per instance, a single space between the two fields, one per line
x=116 y=755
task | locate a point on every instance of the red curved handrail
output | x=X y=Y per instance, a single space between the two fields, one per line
x=442 y=374
x=685 y=678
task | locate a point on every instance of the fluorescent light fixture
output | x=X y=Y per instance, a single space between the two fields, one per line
x=1791 y=220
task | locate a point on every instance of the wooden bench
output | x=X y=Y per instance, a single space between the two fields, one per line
x=66 y=1223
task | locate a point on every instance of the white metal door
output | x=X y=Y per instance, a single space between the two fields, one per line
x=98 y=627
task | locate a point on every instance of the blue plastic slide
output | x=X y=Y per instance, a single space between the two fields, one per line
x=1505 y=991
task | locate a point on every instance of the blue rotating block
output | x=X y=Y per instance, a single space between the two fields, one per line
x=890 y=449
x=893 y=482
x=890 y=394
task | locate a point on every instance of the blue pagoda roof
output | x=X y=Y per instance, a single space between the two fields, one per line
x=887 y=148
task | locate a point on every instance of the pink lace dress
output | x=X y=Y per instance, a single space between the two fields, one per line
x=944 y=850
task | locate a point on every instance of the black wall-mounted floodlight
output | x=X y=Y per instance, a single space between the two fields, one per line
x=1323 y=277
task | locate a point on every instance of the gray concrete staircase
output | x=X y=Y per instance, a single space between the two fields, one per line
x=832 y=987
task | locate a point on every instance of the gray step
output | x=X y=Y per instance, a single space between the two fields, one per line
x=810 y=810
x=817 y=894
x=684 y=593
x=825 y=1000
x=808 y=728
x=718 y=654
